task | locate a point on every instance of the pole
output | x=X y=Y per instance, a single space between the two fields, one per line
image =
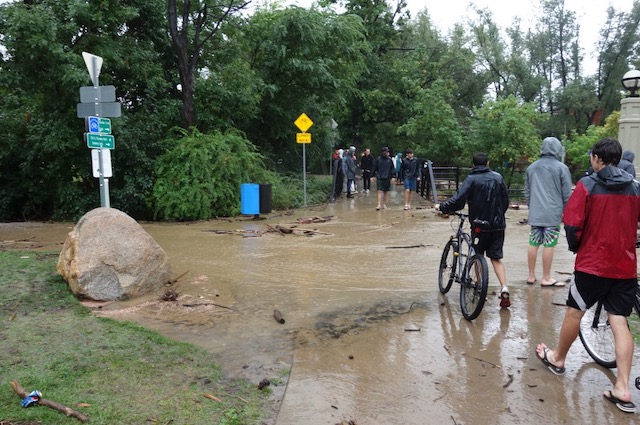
x=304 y=172
x=104 y=182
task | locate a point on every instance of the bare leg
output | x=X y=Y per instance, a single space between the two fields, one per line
x=501 y=274
x=547 y=259
x=407 y=198
x=384 y=199
x=624 y=355
x=568 y=334
x=532 y=255
x=379 y=199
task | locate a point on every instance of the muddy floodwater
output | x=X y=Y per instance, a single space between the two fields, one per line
x=367 y=337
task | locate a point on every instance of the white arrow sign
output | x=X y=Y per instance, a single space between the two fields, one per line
x=94 y=63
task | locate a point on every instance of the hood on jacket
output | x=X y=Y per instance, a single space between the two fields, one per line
x=551 y=146
x=629 y=156
x=613 y=178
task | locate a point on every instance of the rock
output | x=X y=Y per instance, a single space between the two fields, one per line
x=109 y=256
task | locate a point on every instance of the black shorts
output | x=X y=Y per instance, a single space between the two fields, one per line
x=490 y=244
x=618 y=295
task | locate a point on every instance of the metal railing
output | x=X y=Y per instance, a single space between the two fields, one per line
x=447 y=180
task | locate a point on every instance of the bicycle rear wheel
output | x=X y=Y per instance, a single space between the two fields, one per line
x=447 y=270
x=474 y=287
x=597 y=337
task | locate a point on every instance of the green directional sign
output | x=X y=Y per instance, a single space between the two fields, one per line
x=100 y=141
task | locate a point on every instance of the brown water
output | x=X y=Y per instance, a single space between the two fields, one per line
x=367 y=336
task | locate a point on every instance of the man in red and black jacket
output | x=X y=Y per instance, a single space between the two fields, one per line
x=601 y=222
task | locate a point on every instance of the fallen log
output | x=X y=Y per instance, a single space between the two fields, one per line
x=17 y=388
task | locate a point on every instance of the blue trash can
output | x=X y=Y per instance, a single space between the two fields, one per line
x=249 y=198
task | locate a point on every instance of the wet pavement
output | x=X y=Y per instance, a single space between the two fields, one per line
x=367 y=335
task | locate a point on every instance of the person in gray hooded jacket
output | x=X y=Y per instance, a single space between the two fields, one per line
x=626 y=162
x=547 y=188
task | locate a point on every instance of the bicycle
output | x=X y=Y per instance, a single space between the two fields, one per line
x=596 y=335
x=460 y=263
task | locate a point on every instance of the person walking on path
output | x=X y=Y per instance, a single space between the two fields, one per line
x=601 y=222
x=366 y=165
x=397 y=163
x=488 y=199
x=547 y=187
x=383 y=171
x=350 y=170
x=410 y=173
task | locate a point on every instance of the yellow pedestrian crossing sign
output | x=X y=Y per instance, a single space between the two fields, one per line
x=303 y=122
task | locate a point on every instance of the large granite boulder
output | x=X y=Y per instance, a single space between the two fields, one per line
x=109 y=256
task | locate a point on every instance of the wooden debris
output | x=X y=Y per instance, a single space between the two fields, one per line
x=307 y=220
x=205 y=304
x=278 y=316
x=407 y=246
x=275 y=229
x=212 y=397
x=17 y=388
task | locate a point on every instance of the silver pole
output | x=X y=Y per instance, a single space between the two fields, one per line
x=104 y=183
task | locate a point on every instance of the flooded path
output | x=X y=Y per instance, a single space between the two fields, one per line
x=367 y=335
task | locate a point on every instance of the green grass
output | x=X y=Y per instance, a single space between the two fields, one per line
x=125 y=373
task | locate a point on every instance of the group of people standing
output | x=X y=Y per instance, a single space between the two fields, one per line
x=600 y=216
x=383 y=168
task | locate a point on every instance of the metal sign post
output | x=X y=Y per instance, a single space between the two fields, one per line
x=303 y=122
x=94 y=63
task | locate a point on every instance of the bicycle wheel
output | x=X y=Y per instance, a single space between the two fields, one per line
x=474 y=287
x=597 y=337
x=448 y=264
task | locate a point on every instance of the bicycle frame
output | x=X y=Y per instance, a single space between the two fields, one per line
x=460 y=263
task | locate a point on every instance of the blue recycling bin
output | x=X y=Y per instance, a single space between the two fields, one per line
x=249 y=198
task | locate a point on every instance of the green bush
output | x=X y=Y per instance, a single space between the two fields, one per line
x=199 y=177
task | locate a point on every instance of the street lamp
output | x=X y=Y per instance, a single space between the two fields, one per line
x=631 y=82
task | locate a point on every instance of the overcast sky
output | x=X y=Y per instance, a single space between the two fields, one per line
x=591 y=15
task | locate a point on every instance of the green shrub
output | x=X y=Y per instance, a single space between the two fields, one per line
x=199 y=177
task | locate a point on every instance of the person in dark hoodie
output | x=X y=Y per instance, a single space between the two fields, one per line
x=601 y=221
x=626 y=162
x=486 y=193
x=547 y=187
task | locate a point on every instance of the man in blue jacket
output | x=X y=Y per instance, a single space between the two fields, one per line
x=488 y=200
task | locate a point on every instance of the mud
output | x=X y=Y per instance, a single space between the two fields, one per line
x=367 y=336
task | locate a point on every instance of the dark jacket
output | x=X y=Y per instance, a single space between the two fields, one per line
x=383 y=167
x=366 y=163
x=410 y=168
x=487 y=196
x=601 y=220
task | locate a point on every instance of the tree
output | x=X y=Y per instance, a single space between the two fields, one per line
x=199 y=23
x=506 y=131
x=307 y=60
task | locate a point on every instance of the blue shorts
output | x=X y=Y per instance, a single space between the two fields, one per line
x=410 y=184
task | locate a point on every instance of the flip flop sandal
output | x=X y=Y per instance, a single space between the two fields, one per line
x=553 y=368
x=625 y=406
